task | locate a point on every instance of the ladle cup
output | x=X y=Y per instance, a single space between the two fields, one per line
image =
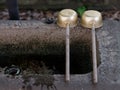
x=67 y=18
x=92 y=19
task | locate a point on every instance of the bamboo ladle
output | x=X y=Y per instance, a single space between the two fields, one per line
x=92 y=19
x=67 y=18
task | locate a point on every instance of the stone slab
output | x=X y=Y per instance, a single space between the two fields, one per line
x=108 y=71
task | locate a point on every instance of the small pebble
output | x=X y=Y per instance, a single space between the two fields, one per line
x=49 y=20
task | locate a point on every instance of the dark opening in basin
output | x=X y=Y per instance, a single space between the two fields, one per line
x=24 y=45
x=80 y=63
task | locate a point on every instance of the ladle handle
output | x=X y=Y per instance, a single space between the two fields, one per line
x=67 y=53
x=95 y=77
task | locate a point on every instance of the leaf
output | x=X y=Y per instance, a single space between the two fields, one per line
x=81 y=10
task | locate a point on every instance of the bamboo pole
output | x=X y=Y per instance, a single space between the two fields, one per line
x=95 y=77
x=67 y=53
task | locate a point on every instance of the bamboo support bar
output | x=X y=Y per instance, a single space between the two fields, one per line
x=95 y=77
x=67 y=54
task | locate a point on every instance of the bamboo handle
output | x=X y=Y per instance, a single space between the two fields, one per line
x=95 y=77
x=67 y=54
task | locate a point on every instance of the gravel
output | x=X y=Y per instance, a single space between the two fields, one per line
x=41 y=15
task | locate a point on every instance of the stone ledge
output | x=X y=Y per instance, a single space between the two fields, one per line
x=108 y=71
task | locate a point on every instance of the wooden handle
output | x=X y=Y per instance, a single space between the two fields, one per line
x=95 y=77
x=67 y=54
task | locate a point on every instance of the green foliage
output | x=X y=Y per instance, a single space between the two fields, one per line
x=81 y=10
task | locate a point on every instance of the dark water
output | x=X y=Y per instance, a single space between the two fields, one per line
x=80 y=61
x=78 y=64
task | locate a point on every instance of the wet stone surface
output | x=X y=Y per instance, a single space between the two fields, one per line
x=108 y=71
x=47 y=40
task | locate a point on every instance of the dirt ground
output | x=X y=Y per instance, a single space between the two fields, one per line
x=35 y=14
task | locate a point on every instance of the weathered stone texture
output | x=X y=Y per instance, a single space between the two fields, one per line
x=108 y=37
